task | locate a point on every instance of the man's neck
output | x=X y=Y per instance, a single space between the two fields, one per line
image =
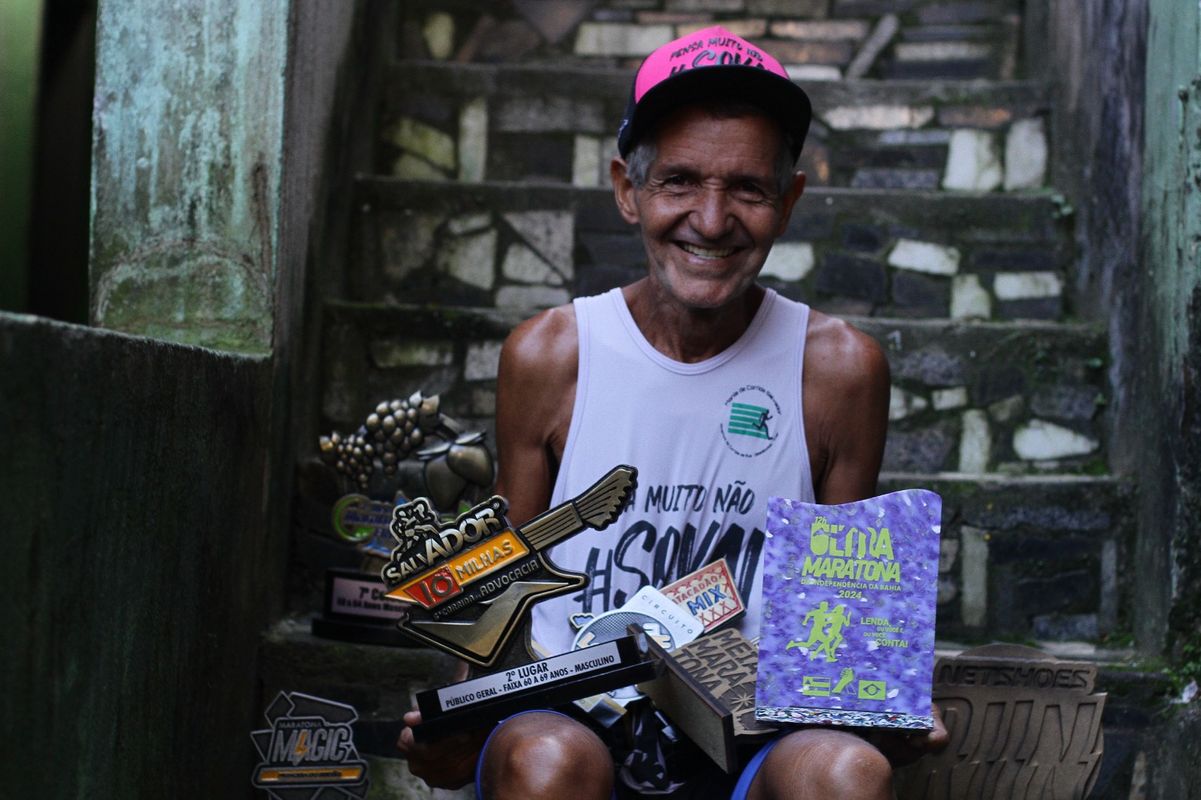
x=689 y=335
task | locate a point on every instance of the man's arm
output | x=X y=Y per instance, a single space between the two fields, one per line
x=535 y=392
x=845 y=389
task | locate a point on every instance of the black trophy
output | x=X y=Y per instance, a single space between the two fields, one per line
x=467 y=587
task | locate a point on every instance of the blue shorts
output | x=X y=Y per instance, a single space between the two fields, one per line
x=740 y=789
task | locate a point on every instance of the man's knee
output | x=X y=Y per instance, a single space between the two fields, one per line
x=824 y=764
x=543 y=755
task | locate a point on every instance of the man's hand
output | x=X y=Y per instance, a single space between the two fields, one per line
x=905 y=747
x=447 y=763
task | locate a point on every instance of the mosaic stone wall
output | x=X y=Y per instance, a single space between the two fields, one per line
x=532 y=123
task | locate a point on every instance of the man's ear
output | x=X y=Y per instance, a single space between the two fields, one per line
x=623 y=190
x=789 y=200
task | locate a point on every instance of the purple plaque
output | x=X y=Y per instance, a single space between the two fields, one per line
x=849 y=596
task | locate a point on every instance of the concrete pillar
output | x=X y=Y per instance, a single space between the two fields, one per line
x=187 y=159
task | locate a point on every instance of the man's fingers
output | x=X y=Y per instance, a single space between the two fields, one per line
x=412 y=718
x=405 y=742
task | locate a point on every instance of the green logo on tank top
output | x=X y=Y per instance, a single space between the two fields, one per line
x=748 y=420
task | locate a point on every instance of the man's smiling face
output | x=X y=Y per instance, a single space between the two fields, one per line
x=710 y=208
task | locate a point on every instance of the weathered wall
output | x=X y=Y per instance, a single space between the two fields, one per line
x=142 y=560
x=147 y=485
x=1168 y=557
x=187 y=169
x=20 y=33
x=1094 y=56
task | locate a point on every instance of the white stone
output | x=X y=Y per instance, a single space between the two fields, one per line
x=525 y=266
x=1026 y=285
x=399 y=352
x=439 y=33
x=941 y=51
x=608 y=151
x=530 y=298
x=975 y=443
x=540 y=114
x=473 y=140
x=934 y=259
x=482 y=361
x=925 y=137
x=424 y=140
x=948 y=554
x=409 y=245
x=789 y=261
x=586 y=161
x=1025 y=155
x=746 y=28
x=813 y=72
x=973 y=575
x=470 y=258
x=469 y=223
x=411 y=168
x=617 y=39
x=1040 y=440
x=820 y=30
x=972 y=161
x=948 y=399
x=969 y=300
x=550 y=233
x=1007 y=409
x=878 y=118
x=902 y=404
x=947 y=590
x=705 y=5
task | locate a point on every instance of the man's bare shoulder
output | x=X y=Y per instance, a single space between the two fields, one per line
x=839 y=355
x=547 y=345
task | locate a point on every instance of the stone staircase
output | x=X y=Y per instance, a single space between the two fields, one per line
x=927 y=222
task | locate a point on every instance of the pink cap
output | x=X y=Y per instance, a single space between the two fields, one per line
x=707 y=64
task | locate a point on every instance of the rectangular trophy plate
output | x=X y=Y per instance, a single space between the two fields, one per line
x=849 y=596
x=361 y=596
x=539 y=684
x=710 y=594
x=357 y=609
x=708 y=689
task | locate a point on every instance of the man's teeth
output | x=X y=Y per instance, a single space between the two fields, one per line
x=704 y=252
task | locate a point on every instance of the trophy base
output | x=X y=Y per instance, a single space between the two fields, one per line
x=541 y=684
x=358 y=610
x=361 y=632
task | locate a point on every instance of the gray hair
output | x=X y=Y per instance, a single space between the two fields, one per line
x=638 y=164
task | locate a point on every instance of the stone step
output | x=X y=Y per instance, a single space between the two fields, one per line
x=1030 y=557
x=1016 y=398
x=855 y=251
x=816 y=39
x=554 y=123
x=380 y=683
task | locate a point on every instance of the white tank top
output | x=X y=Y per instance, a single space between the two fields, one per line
x=711 y=441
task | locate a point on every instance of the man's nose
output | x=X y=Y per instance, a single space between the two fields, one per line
x=711 y=218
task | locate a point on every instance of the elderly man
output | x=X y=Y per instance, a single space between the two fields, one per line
x=651 y=375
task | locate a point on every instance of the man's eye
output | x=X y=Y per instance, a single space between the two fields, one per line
x=675 y=180
x=750 y=189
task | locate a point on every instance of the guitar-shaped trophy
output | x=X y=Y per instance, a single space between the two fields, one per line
x=468 y=585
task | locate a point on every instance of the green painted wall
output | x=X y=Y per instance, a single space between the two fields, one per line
x=144 y=550
x=187 y=162
x=145 y=485
x=20 y=35
x=1168 y=560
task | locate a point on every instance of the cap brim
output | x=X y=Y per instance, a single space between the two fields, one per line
x=779 y=98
